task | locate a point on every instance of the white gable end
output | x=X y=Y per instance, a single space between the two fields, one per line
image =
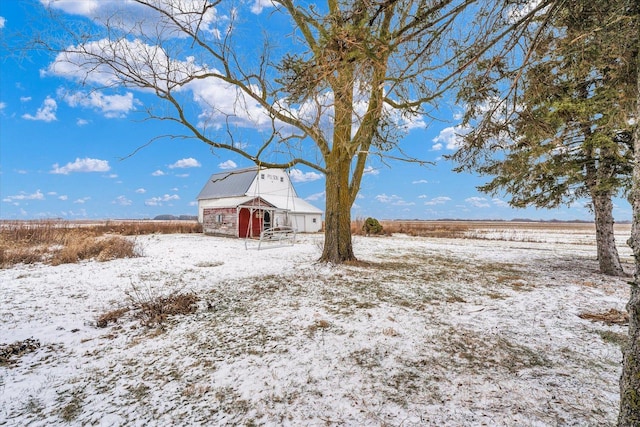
x=272 y=182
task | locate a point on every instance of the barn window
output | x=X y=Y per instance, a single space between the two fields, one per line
x=261 y=176
x=281 y=179
x=314 y=220
x=219 y=217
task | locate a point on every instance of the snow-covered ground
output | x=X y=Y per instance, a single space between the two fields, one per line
x=455 y=332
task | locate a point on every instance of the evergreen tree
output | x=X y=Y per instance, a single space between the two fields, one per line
x=562 y=132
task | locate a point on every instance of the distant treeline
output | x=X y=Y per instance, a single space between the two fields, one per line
x=176 y=218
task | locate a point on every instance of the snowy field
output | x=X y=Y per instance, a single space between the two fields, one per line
x=428 y=332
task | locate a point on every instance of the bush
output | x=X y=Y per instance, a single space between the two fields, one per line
x=372 y=226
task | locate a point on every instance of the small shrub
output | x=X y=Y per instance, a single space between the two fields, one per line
x=372 y=226
x=154 y=309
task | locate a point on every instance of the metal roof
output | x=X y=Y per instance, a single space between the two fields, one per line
x=293 y=204
x=228 y=184
x=234 y=202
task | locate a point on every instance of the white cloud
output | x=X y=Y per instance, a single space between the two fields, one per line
x=63 y=197
x=122 y=201
x=297 y=175
x=371 y=171
x=141 y=191
x=25 y=98
x=316 y=196
x=111 y=106
x=501 y=203
x=82 y=122
x=185 y=163
x=84 y=7
x=229 y=164
x=393 y=200
x=157 y=173
x=82 y=200
x=38 y=195
x=2 y=21
x=46 y=113
x=134 y=18
x=437 y=201
x=449 y=136
x=158 y=201
x=477 y=202
x=82 y=165
x=420 y=181
x=259 y=5
x=2 y=106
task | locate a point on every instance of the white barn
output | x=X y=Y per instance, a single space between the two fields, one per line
x=242 y=203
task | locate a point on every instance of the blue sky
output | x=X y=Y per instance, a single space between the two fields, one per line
x=68 y=152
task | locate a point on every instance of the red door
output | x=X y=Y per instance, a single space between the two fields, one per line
x=247 y=227
x=243 y=222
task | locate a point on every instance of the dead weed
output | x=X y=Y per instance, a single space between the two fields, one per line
x=610 y=317
x=9 y=353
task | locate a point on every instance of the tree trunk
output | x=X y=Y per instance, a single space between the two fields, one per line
x=630 y=380
x=337 y=231
x=605 y=239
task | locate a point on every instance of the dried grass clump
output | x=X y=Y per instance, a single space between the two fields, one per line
x=15 y=255
x=80 y=247
x=10 y=352
x=111 y=317
x=610 y=317
x=153 y=309
x=156 y=311
x=150 y=309
x=61 y=242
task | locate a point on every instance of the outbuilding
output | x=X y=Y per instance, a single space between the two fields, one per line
x=245 y=202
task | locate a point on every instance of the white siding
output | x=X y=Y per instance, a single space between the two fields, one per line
x=271 y=182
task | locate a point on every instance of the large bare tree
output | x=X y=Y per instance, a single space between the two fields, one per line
x=353 y=75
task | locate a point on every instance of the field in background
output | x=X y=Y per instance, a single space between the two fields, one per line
x=57 y=241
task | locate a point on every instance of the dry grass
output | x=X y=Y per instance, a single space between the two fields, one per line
x=10 y=352
x=61 y=242
x=111 y=316
x=154 y=309
x=444 y=229
x=151 y=309
x=610 y=317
